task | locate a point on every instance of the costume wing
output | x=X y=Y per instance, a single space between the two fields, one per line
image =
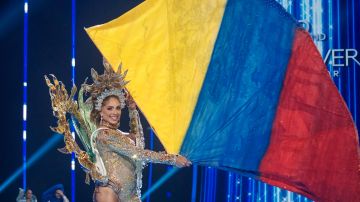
x=85 y=109
x=62 y=103
x=82 y=124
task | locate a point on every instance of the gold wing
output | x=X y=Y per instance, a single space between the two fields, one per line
x=61 y=104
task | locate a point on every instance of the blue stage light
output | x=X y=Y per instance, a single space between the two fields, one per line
x=150 y=165
x=36 y=156
x=161 y=181
x=194 y=183
x=25 y=67
x=73 y=35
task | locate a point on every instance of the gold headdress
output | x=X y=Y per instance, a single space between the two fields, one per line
x=109 y=83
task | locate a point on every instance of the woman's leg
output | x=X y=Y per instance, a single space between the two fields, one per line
x=105 y=194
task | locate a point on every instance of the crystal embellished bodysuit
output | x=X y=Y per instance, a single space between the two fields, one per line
x=124 y=161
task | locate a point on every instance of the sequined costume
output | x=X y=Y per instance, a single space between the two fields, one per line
x=112 y=159
x=122 y=159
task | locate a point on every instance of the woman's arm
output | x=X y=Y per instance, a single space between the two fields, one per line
x=120 y=144
x=136 y=129
x=20 y=195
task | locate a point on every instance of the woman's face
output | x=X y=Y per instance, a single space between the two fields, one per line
x=111 y=111
x=29 y=194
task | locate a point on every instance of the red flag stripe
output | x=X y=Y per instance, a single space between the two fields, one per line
x=314 y=147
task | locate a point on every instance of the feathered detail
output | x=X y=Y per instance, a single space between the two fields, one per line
x=63 y=103
x=64 y=150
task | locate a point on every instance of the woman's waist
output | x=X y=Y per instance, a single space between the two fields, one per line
x=127 y=187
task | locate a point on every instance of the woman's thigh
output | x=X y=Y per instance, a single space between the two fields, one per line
x=105 y=194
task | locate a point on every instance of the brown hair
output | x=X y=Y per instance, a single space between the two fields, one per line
x=95 y=116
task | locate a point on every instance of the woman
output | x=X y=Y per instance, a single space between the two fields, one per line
x=119 y=153
x=26 y=197
x=113 y=159
x=54 y=194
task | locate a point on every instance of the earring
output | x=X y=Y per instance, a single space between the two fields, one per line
x=101 y=120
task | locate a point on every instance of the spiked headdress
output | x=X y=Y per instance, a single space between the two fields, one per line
x=109 y=83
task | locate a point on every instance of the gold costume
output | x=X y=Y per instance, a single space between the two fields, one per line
x=122 y=160
x=112 y=158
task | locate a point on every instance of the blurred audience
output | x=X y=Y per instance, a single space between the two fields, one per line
x=26 y=197
x=54 y=194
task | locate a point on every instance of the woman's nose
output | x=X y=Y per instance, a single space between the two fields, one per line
x=116 y=112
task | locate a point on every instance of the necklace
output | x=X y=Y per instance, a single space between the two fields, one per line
x=109 y=125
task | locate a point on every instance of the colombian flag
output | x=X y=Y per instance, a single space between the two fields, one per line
x=237 y=85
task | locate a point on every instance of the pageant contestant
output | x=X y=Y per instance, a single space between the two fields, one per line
x=114 y=159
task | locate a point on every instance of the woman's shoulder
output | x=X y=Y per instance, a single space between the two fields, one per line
x=101 y=134
x=122 y=132
x=110 y=133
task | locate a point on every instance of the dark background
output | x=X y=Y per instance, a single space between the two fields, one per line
x=49 y=51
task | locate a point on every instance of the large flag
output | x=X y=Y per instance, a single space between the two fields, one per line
x=237 y=85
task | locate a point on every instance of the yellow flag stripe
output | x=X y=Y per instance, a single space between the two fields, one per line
x=166 y=45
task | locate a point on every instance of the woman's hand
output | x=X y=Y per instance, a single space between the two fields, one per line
x=182 y=162
x=131 y=103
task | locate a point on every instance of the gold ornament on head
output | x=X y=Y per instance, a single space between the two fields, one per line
x=107 y=84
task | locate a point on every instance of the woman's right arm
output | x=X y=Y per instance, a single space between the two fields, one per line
x=121 y=144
